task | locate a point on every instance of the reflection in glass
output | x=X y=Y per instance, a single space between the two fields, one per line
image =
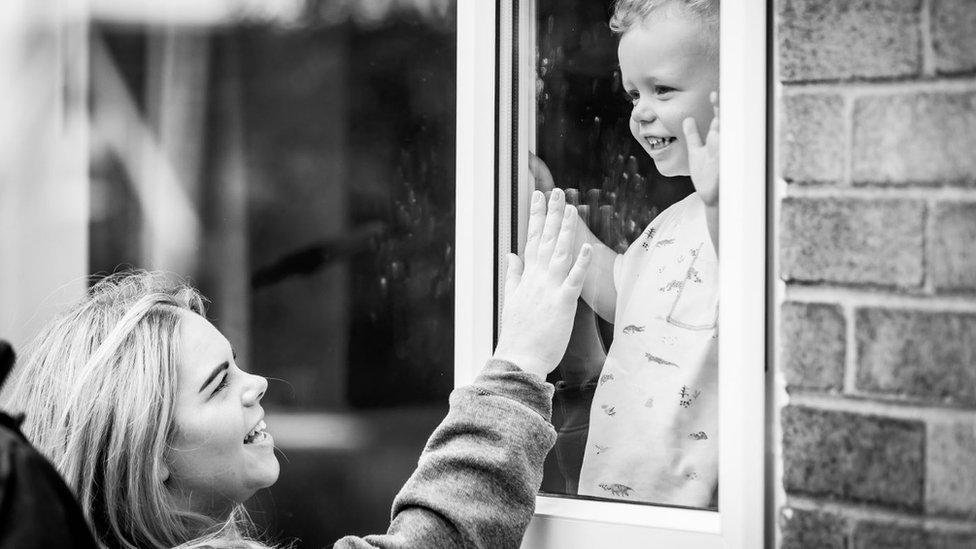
x=300 y=171
x=622 y=434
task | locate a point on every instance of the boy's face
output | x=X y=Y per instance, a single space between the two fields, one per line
x=668 y=74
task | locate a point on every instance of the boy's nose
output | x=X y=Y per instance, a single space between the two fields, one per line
x=643 y=112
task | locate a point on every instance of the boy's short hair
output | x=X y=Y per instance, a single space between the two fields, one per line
x=627 y=13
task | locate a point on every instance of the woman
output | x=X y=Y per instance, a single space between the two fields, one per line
x=138 y=401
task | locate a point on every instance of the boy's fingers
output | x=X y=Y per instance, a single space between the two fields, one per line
x=514 y=275
x=691 y=132
x=574 y=282
x=554 y=220
x=715 y=117
x=712 y=142
x=541 y=173
x=561 y=258
x=537 y=218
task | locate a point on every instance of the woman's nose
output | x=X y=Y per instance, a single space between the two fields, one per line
x=255 y=392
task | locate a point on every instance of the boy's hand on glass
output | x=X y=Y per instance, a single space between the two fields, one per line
x=541 y=292
x=703 y=157
x=544 y=182
x=541 y=174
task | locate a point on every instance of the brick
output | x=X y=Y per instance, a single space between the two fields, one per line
x=844 y=39
x=805 y=529
x=950 y=478
x=957 y=540
x=953 y=39
x=813 y=140
x=919 y=355
x=877 y=535
x=920 y=139
x=853 y=457
x=882 y=535
x=814 y=346
x=853 y=241
x=953 y=261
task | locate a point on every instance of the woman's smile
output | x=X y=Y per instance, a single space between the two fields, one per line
x=259 y=435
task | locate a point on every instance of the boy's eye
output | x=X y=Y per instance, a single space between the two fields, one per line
x=633 y=96
x=663 y=90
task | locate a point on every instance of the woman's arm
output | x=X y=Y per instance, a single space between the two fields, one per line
x=476 y=481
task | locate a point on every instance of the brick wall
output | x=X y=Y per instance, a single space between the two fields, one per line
x=875 y=430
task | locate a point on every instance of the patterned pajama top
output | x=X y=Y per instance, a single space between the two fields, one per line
x=653 y=433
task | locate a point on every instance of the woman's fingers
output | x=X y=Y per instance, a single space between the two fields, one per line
x=550 y=230
x=562 y=254
x=574 y=282
x=537 y=218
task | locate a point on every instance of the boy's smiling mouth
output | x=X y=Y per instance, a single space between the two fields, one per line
x=658 y=143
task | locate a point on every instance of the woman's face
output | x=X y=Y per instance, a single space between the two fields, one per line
x=220 y=455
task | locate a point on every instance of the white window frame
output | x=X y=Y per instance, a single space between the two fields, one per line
x=484 y=174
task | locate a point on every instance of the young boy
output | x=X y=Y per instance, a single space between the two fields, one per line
x=653 y=422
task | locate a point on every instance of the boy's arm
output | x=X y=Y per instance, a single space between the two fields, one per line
x=599 y=290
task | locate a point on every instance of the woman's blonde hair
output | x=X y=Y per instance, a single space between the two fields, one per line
x=97 y=389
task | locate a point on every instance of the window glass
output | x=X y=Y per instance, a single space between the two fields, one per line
x=635 y=406
x=299 y=167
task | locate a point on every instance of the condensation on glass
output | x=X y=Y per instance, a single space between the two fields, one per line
x=299 y=167
x=582 y=134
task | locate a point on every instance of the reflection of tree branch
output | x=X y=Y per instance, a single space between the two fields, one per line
x=173 y=227
x=312 y=258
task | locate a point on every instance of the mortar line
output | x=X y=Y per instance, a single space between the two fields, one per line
x=927 y=249
x=938 y=84
x=875 y=192
x=848 y=172
x=860 y=512
x=850 y=348
x=927 y=46
x=895 y=409
x=860 y=297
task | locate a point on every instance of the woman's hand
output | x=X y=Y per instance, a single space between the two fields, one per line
x=541 y=293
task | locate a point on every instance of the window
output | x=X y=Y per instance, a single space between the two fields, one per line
x=558 y=98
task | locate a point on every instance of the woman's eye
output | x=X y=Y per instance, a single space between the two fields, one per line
x=220 y=386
